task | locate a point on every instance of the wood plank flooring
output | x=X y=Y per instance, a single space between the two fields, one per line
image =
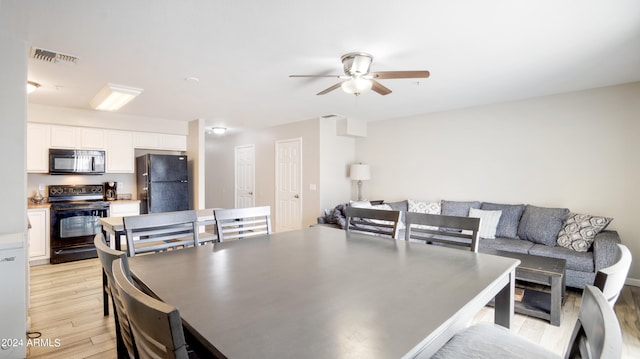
x=66 y=309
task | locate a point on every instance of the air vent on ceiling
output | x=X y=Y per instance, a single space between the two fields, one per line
x=53 y=56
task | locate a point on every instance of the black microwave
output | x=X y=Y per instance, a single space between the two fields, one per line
x=80 y=162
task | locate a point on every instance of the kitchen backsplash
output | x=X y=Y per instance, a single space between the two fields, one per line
x=126 y=180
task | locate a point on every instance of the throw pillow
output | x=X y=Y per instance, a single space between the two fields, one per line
x=541 y=225
x=425 y=207
x=336 y=216
x=488 y=221
x=579 y=231
x=509 y=220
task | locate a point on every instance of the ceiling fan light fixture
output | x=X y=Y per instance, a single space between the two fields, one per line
x=357 y=85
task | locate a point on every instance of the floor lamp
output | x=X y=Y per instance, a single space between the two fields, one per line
x=360 y=172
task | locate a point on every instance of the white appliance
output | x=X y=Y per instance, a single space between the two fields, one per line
x=13 y=296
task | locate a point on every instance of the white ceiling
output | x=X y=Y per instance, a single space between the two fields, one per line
x=478 y=52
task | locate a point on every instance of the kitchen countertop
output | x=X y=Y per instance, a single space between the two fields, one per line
x=31 y=205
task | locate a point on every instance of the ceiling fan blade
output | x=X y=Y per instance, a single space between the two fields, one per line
x=335 y=76
x=326 y=91
x=379 y=88
x=399 y=74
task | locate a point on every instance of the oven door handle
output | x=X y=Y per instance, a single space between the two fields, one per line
x=94 y=211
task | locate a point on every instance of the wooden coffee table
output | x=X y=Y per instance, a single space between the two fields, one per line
x=546 y=302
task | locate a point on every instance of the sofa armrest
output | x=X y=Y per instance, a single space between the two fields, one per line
x=604 y=249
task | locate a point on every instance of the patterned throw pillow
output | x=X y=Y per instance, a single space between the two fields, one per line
x=425 y=207
x=579 y=231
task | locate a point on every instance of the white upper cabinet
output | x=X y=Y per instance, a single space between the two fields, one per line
x=77 y=137
x=159 y=141
x=118 y=145
x=38 y=137
x=119 y=152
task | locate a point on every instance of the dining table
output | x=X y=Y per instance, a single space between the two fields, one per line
x=321 y=292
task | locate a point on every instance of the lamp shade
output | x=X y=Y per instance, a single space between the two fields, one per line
x=360 y=172
x=356 y=85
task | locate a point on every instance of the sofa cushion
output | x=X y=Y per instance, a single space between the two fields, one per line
x=541 y=225
x=578 y=261
x=488 y=221
x=505 y=244
x=509 y=220
x=458 y=208
x=579 y=231
x=402 y=206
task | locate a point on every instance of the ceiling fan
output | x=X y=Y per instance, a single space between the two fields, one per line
x=358 y=78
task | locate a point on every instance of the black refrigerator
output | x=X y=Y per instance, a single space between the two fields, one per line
x=163 y=183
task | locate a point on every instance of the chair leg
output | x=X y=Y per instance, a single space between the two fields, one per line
x=105 y=294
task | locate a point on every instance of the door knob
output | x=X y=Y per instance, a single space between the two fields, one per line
x=250 y=193
x=296 y=196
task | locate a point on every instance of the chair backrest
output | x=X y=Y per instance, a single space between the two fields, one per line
x=610 y=280
x=107 y=257
x=160 y=231
x=157 y=327
x=207 y=229
x=375 y=221
x=448 y=230
x=237 y=223
x=597 y=332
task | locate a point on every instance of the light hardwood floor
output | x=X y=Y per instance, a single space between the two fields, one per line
x=66 y=305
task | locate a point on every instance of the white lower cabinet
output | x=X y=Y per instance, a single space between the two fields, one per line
x=39 y=236
x=124 y=208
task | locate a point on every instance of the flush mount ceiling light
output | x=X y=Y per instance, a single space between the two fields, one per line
x=32 y=86
x=217 y=130
x=112 y=97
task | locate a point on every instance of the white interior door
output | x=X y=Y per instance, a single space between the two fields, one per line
x=245 y=176
x=288 y=185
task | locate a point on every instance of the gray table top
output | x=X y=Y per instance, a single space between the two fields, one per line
x=321 y=293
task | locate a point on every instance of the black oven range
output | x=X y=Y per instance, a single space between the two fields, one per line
x=75 y=214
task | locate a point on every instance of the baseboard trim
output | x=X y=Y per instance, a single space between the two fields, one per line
x=633 y=281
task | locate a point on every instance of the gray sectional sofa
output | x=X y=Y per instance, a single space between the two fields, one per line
x=582 y=240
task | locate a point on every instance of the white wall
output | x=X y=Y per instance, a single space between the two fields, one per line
x=578 y=150
x=220 y=166
x=101 y=119
x=13 y=79
x=13 y=212
x=336 y=154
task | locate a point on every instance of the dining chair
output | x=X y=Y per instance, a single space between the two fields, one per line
x=156 y=326
x=160 y=231
x=372 y=221
x=207 y=232
x=446 y=230
x=125 y=344
x=238 y=223
x=596 y=334
x=611 y=279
